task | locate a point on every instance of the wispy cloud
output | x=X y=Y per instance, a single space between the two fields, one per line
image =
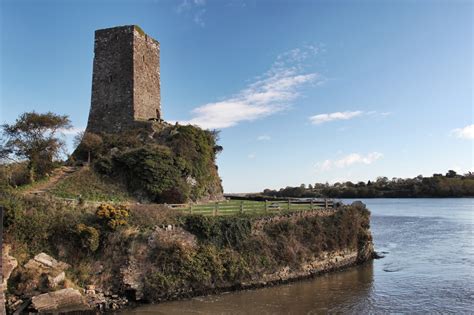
x=194 y=8
x=464 y=133
x=346 y=115
x=324 y=118
x=348 y=160
x=251 y=156
x=72 y=131
x=268 y=94
x=264 y=138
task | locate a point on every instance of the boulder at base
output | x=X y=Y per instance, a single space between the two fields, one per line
x=65 y=300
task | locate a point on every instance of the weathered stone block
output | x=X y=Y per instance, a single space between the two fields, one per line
x=44 y=261
x=65 y=300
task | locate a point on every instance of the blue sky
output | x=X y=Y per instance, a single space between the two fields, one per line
x=303 y=91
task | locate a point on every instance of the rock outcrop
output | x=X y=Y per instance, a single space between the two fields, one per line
x=41 y=274
x=9 y=263
x=64 y=300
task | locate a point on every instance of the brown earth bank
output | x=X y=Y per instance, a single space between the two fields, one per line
x=79 y=257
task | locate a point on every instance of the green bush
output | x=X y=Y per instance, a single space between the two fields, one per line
x=88 y=236
x=37 y=225
x=197 y=148
x=14 y=174
x=205 y=267
x=220 y=231
x=152 y=170
x=111 y=216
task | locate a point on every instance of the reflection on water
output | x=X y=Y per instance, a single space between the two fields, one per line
x=429 y=267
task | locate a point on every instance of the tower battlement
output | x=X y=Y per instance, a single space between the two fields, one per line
x=125 y=80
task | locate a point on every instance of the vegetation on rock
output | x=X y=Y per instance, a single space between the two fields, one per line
x=174 y=164
x=197 y=254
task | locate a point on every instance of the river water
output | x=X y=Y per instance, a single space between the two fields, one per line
x=428 y=268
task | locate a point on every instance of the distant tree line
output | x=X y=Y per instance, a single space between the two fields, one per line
x=449 y=185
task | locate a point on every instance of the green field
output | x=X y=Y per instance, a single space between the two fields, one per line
x=232 y=207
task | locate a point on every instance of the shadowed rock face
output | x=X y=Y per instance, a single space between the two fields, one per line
x=126 y=79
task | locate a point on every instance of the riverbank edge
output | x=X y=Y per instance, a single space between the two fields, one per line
x=350 y=262
x=324 y=262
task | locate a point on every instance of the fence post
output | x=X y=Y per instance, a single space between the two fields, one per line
x=216 y=208
x=326 y=202
x=266 y=206
x=191 y=208
x=289 y=204
x=241 y=206
x=312 y=208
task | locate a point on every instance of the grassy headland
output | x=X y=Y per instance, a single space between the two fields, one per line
x=162 y=254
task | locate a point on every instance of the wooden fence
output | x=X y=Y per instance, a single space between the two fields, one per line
x=232 y=207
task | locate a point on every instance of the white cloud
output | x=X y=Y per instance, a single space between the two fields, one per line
x=251 y=156
x=268 y=94
x=72 y=131
x=323 y=118
x=464 y=133
x=346 y=115
x=348 y=160
x=264 y=138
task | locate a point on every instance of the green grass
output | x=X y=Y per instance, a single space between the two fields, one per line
x=32 y=186
x=88 y=185
x=233 y=207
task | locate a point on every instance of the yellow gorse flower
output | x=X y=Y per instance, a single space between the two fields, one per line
x=114 y=216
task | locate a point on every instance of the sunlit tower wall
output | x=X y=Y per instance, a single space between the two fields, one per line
x=125 y=79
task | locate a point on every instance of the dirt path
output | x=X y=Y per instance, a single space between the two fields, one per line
x=57 y=175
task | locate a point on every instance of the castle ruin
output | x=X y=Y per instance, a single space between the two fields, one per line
x=125 y=80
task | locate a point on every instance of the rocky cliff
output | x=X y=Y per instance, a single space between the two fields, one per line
x=149 y=254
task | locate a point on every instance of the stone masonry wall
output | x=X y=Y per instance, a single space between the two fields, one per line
x=126 y=79
x=146 y=74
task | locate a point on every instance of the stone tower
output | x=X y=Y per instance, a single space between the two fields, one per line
x=125 y=80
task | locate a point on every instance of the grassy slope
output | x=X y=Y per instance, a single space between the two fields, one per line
x=89 y=185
